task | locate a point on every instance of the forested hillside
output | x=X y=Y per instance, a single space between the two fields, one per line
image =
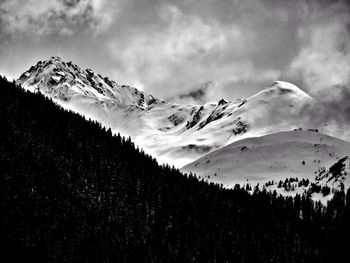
x=70 y=191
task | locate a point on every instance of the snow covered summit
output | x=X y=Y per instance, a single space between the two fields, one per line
x=173 y=133
x=66 y=81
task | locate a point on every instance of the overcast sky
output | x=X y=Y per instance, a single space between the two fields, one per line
x=232 y=48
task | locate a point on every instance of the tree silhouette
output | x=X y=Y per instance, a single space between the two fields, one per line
x=71 y=191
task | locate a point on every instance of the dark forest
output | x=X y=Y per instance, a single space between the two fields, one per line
x=71 y=191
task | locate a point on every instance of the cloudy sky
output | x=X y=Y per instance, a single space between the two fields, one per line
x=211 y=48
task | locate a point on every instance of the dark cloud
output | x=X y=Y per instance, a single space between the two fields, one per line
x=172 y=47
x=199 y=95
x=338 y=107
x=332 y=116
x=70 y=3
x=33 y=18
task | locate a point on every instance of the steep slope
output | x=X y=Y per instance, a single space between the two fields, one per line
x=85 y=92
x=303 y=154
x=79 y=194
x=336 y=173
x=173 y=133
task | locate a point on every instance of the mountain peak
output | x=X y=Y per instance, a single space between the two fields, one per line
x=222 y=102
x=284 y=84
x=67 y=82
x=282 y=89
x=55 y=58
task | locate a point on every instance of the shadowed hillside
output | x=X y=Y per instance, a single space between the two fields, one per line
x=70 y=191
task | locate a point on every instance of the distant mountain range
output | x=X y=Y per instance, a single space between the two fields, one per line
x=180 y=134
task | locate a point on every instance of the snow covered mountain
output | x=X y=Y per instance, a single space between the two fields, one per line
x=304 y=154
x=173 y=133
x=85 y=92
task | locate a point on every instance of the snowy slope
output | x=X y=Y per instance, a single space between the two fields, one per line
x=85 y=92
x=173 y=133
x=302 y=154
x=200 y=129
